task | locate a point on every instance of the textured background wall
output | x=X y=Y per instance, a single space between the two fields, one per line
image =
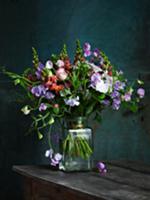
x=120 y=28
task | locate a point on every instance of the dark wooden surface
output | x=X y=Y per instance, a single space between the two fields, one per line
x=124 y=181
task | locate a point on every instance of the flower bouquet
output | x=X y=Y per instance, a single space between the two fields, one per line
x=61 y=89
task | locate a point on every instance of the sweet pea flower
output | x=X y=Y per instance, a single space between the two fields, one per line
x=141 y=92
x=87 y=49
x=72 y=101
x=101 y=167
x=96 y=52
x=116 y=104
x=38 y=72
x=119 y=85
x=49 y=64
x=38 y=91
x=57 y=158
x=42 y=107
x=127 y=97
x=60 y=63
x=49 y=153
x=49 y=95
x=98 y=84
x=61 y=74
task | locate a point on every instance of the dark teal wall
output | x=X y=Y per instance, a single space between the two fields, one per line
x=120 y=28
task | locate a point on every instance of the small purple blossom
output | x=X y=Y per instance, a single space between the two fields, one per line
x=95 y=79
x=116 y=103
x=38 y=91
x=49 y=95
x=42 y=107
x=119 y=85
x=72 y=102
x=101 y=167
x=115 y=94
x=106 y=102
x=38 y=72
x=96 y=52
x=127 y=96
x=87 y=49
x=56 y=159
x=141 y=92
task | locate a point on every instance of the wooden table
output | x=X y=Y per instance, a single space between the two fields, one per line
x=124 y=181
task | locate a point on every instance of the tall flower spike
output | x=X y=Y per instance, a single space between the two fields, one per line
x=78 y=52
x=35 y=60
x=63 y=53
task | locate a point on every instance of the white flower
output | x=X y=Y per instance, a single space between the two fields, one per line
x=26 y=110
x=49 y=65
x=49 y=153
x=58 y=157
x=95 y=68
x=102 y=87
x=60 y=63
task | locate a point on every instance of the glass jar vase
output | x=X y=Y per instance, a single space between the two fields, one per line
x=77 y=146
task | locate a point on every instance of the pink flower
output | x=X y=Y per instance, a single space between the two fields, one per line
x=141 y=92
x=61 y=74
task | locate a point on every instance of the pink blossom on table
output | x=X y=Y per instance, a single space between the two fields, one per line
x=42 y=107
x=141 y=92
x=61 y=74
x=101 y=167
x=49 y=64
x=60 y=63
x=56 y=159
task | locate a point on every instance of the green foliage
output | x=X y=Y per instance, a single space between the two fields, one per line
x=63 y=53
x=35 y=60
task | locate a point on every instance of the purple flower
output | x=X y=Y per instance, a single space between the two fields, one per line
x=57 y=158
x=116 y=104
x=49 y=95
x=115 y=94
x=38 y=72
x=119 y=85
x=95 y=78
x=106 y=102
x=127 y=96
x=87 y=53
x=72 y=102
x=141 y=92
x=87 y=49
x=96 y=52
x=42 y=107
x=101 y=167
x=38 y=91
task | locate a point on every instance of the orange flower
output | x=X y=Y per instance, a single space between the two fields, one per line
x=56 y=87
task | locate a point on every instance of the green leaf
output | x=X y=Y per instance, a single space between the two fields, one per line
x=101 y=97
